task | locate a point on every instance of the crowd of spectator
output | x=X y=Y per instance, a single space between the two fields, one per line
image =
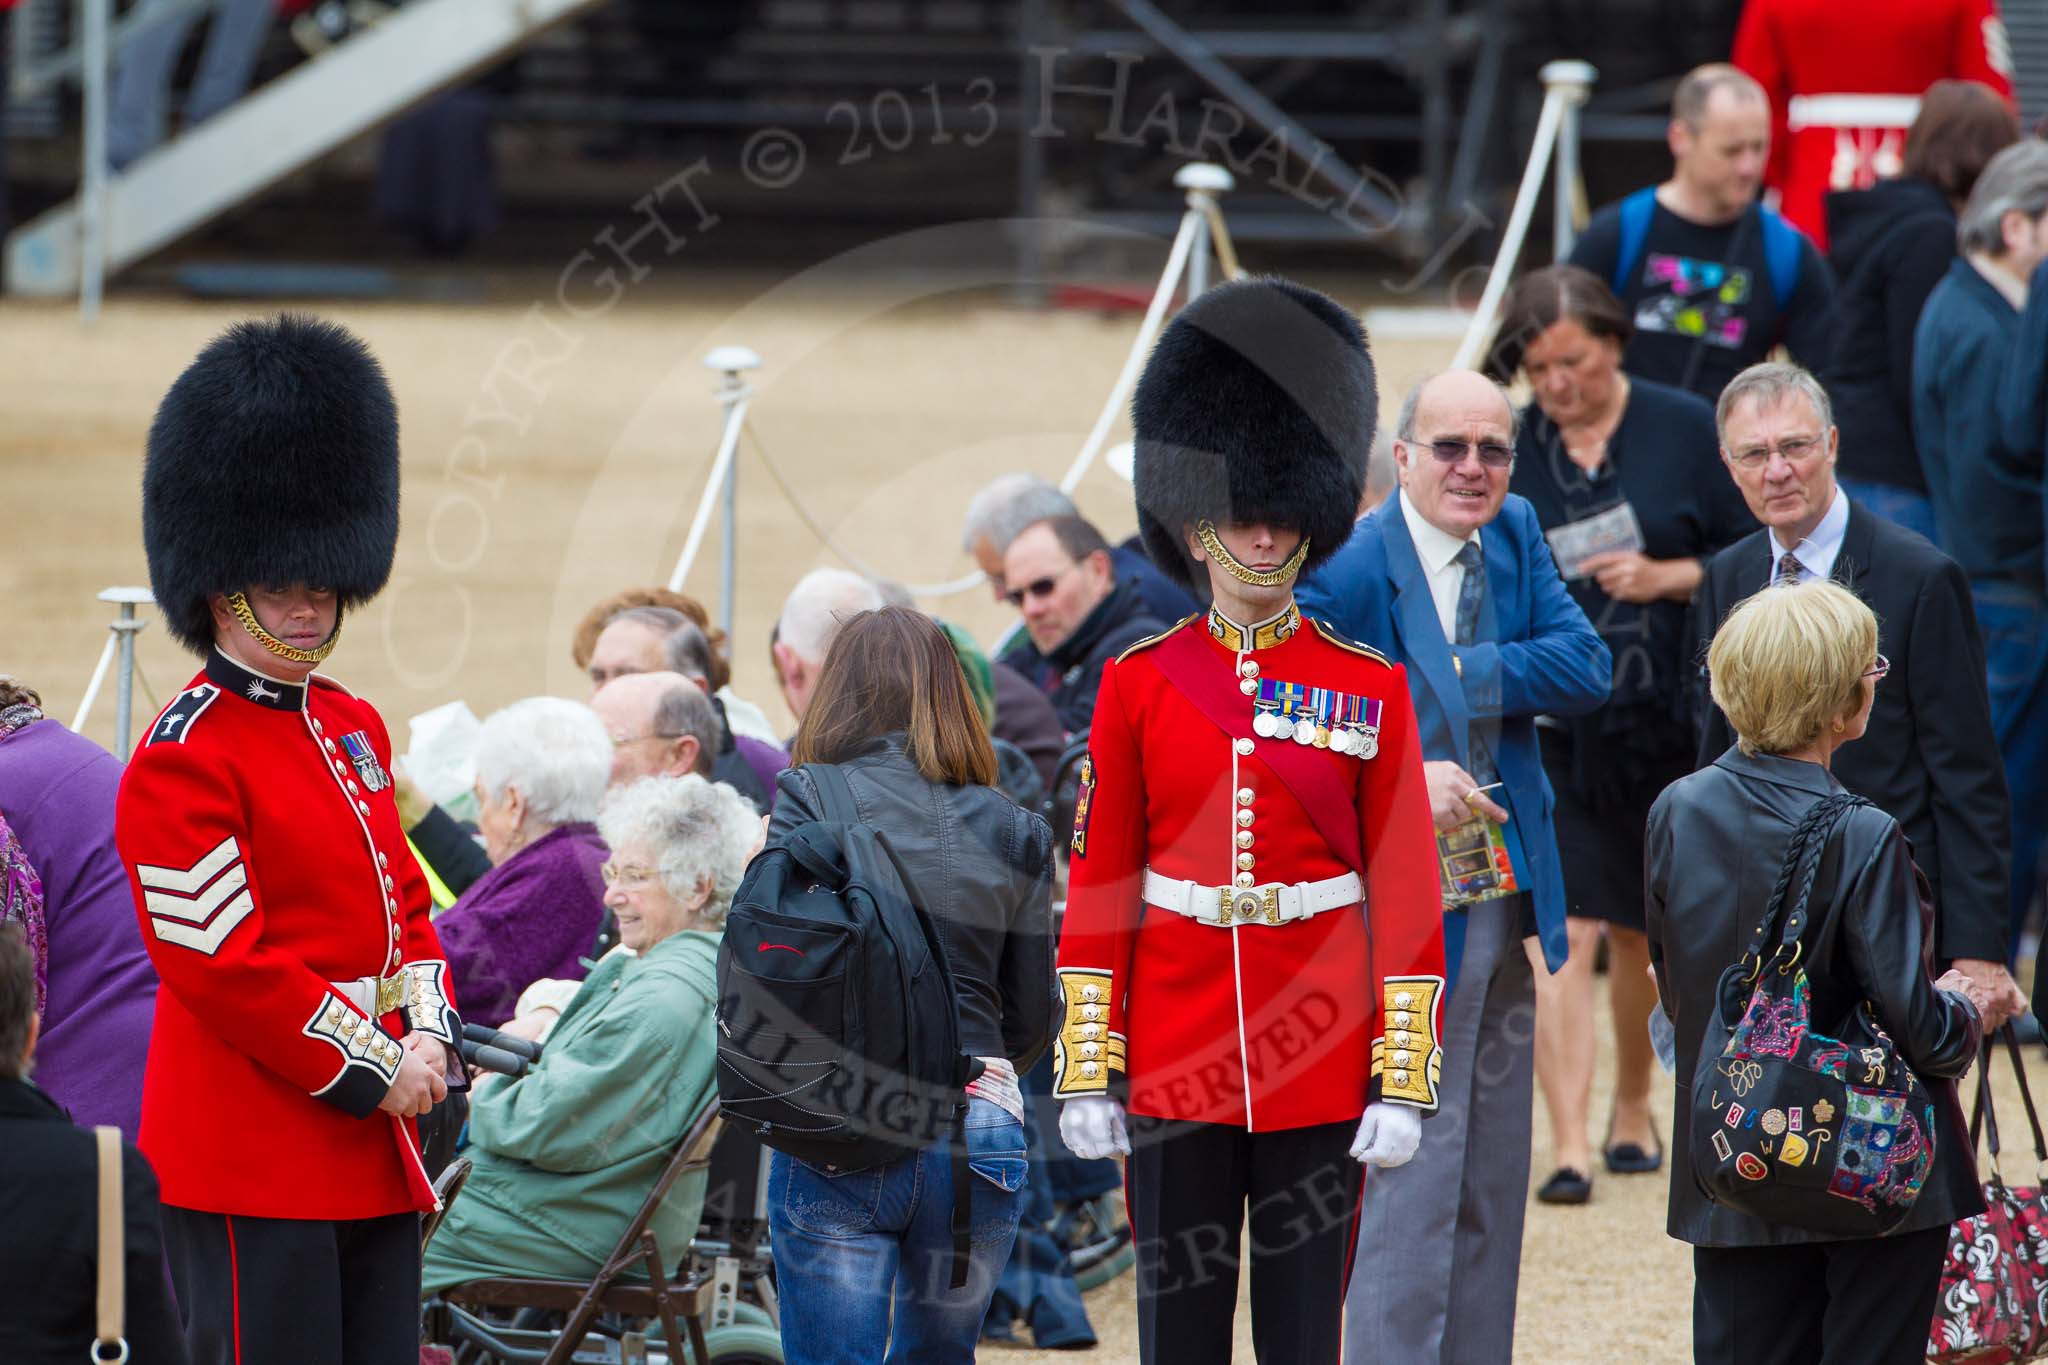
x=1661 y=474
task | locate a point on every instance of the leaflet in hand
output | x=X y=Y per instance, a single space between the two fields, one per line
x=1473 y=858
x=1615 y=530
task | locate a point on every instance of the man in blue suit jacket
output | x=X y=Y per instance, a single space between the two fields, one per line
x=1491 y=640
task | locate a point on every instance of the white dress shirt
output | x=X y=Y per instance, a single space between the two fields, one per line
x=1817 y=553
x=1438 y=551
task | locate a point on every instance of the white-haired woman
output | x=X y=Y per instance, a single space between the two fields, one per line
x=541 y=767
x=566 y=1154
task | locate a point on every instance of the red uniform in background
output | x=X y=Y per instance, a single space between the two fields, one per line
x=271 y=876
x=1845 y=82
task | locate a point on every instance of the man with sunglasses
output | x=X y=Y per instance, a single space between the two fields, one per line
x=1078 y=616
x=1452 y=578
x=1930 y=758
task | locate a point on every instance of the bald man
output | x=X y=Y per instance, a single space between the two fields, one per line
x=1453 y=579
x=661 y=724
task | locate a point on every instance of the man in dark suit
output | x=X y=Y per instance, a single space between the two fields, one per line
x=1453 y=579
x=1930 y=759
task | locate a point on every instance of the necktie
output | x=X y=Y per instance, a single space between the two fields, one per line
x=1789 y=569
x=1471 y=593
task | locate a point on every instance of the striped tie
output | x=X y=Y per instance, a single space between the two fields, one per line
x=1789 y=569
x=1471 y=592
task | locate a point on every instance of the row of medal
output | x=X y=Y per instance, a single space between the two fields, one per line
x=1321 y=716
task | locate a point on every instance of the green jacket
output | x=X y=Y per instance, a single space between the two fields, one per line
x=565 y=1155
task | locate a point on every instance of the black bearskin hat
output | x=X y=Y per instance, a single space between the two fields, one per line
x=1258 y=404
x=272 y=460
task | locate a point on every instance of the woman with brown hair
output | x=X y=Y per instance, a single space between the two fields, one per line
x=861 y=1258
x=1625 y=477
x=1892 y=244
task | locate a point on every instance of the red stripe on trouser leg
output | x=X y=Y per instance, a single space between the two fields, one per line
x=1357 y=1218
x=234 y=1285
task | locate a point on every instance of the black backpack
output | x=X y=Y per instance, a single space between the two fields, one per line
x=838 y=1036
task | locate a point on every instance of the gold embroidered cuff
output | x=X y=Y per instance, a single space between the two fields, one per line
x=1407 y=1058
x=1084 y=1051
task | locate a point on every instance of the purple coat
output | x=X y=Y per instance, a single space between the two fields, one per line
x=535 y=915
x=57 y=791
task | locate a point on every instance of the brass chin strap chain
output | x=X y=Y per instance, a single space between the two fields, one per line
x=239 y=605
x=1205 y=532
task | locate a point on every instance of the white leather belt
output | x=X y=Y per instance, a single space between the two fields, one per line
x=1272 y=903
x=1851 y=111
x=375 y=996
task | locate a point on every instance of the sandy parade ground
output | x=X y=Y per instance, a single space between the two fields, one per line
x=552 y=458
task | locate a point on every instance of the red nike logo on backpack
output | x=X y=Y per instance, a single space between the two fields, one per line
x=784 y=947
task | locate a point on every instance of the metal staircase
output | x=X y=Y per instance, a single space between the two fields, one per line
x=376 y=75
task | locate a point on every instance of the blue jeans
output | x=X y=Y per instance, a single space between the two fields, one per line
x=854 y=1251
x=2015 y=625
x=1899 y=506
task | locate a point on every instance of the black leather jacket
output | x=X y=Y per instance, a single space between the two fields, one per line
x=982 y=869
x=1716 y=841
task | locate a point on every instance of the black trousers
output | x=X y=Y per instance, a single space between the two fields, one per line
x=1867 y=1302
x=266 y=1291
x=1188 y=1188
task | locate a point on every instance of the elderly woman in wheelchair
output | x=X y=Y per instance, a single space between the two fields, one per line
x=565 y=1156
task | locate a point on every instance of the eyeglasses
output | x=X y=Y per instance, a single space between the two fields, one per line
x=651 y=734
x=629 y=878
x=1037 y=587
x=1492 y=454
x=1877 y=670
x=1793 y=448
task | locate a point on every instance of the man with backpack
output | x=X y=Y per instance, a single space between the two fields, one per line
x=1714 y=279
x=1252 y=959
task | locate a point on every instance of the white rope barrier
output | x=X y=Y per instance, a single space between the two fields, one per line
x=728 y=443
x=92 y=689
x=1202 y=221
x=1566 y=85
x=1141 y=346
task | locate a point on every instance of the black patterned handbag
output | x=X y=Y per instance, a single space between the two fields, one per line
x=1828 y=1132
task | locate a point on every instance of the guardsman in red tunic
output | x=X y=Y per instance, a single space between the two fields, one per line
x=305 y=1016
x=1252 y=955
x=1845 y=83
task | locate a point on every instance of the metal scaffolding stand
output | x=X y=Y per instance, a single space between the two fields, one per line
x=1429 y=43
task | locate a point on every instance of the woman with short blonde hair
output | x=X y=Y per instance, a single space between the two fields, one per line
x=1795 y=669
x=1788 y=667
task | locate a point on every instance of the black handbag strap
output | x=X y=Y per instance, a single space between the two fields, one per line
x=835 y=794
x=1984 y=1115
x=1786 y=911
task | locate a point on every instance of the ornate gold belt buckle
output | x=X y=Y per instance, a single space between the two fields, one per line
x=390 y=993
x=1248 y=904
x=1227 y=901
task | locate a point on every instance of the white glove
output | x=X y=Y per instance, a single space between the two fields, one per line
x=1387 y=1136
x=1092 y=1126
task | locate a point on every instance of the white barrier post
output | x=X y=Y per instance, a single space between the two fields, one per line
x=120 y=645
x=733 y=395
x=1575 y=81
x=1555 y=99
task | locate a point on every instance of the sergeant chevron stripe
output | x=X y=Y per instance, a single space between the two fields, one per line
x=200 y=921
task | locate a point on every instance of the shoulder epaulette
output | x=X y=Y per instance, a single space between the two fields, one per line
x=322 y=680
x=175 y=721
x=1328 y=633
x=1151 y=640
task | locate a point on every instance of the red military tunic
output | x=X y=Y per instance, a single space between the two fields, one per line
x=270 y=873
x=1261 y=1025
x=1845 y=83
